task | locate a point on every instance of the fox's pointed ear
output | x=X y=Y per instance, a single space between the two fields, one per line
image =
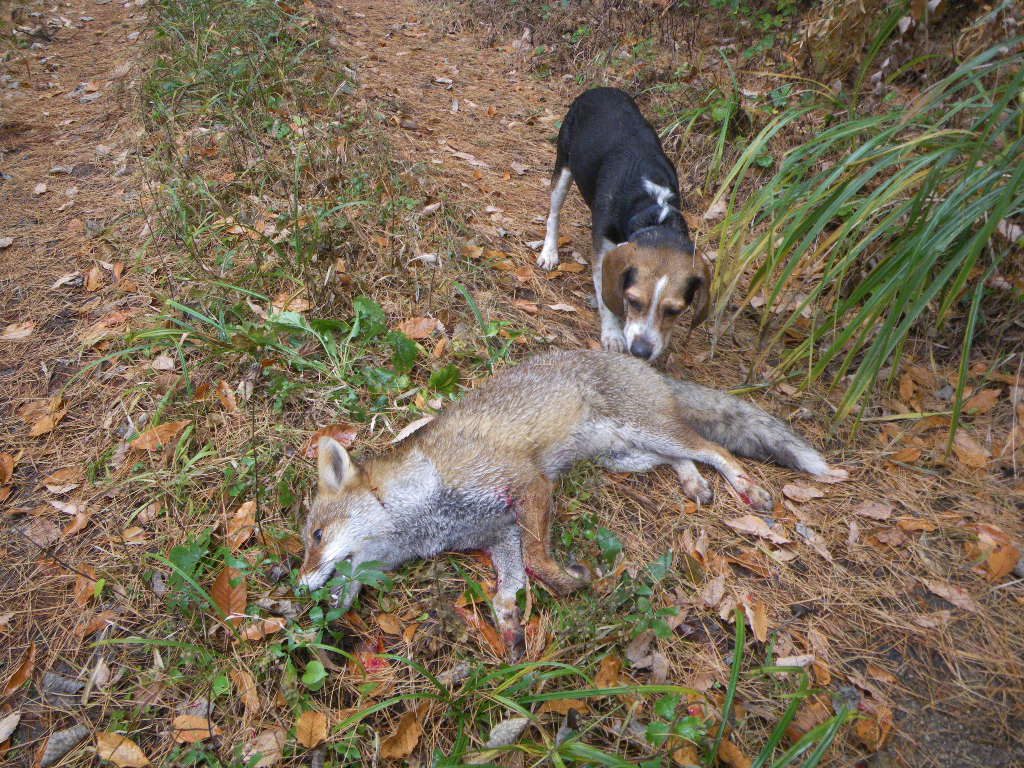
x=336 y=469
x=614 y=275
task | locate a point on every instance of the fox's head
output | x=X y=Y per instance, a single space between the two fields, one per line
x=341 y=521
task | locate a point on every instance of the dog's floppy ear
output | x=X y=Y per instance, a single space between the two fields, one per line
x=697 y=291
x=615 y=267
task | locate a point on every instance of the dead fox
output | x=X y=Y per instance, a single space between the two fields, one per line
x=480 y=475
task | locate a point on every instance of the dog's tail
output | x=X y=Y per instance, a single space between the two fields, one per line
x=745 y=429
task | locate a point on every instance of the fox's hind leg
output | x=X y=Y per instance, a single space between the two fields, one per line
x=681 y=446
x=535 y=520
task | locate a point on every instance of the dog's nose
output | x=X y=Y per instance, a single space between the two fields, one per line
x=641 y=347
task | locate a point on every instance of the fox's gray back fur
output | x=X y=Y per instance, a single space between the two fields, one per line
x=557 y=393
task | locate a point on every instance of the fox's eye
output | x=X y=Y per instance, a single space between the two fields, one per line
x=318 y=534
x=672 y=311
x=635 y=305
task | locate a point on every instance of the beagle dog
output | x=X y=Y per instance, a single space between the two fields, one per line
x=646 y=268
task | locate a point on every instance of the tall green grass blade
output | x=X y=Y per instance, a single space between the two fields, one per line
x=730 y=691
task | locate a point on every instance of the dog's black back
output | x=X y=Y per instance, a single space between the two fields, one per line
x=608 y=145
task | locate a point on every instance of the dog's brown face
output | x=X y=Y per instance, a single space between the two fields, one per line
x=649 y=288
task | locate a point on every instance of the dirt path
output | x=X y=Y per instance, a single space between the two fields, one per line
x=475 y=117
x=67 y=191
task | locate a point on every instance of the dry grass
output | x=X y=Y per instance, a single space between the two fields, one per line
x=877 y=634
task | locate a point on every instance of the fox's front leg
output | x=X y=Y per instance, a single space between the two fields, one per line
x=507 y=556
x=535 y=521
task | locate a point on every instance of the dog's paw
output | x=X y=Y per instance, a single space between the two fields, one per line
x=612 y=340
x=548 y=258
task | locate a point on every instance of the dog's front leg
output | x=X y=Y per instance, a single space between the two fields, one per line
x=612 y=338
x=548 y=258
x=507 y=556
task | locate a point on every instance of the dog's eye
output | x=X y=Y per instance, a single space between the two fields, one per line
x=318 y=534
x=635 y=305
x=672 y=311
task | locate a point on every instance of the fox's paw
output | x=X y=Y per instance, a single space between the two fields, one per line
x=612 y=340
x=580 y=572
x=548 y=258
x=515 y=642
x=833 y=475
x=758 y=498
x=699 y=490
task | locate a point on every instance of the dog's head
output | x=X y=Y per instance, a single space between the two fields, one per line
x=649 y=287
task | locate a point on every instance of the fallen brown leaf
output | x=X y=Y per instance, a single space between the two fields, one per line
x=7 y=464
x=906 y=387
x=873 y=731
x=757 y=617
x=403 y=741
x=265 y=749
x=120 y=750
x=953 y=594
x=800 y=492
x=882 y=675
x=230 y=594
x=915 y=524
x=62 y=481
x=18 y=331
x=227 y=397
x=756 y=526
x=290 y=302
x=343 y=433
x=490 y=636
x=418 y=327
x=968 y=451
x=241 y=525
x=245 y=686
x=43 y=415
x=983 y=401
x=389 y=623
x=311 y=728
x=609 y=674
x=876 y=510
x=996 y=549
x=78 y=523
x=94 y=279
x=85 y=584
x=732 y=755
x=906 y=456
x=261 y=629
x=157 y=437
x=191 y=729
x=24 y=671
x=563 y=706
x=90 y=625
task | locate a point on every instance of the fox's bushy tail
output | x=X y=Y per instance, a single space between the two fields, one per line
x=745 y=429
